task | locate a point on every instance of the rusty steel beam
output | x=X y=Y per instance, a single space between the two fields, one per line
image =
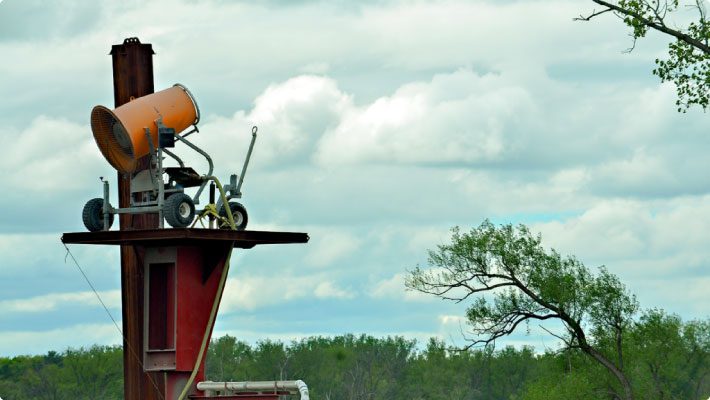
x=132 y=70
x=132 y=78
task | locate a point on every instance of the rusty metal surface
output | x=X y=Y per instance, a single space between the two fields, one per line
x=132 y=70
x=132 y=63
x=185 y=236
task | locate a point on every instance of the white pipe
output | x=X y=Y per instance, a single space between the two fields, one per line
x=291 y=386
x=303 y=389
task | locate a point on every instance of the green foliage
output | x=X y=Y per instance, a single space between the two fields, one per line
x=689 y=69
x=644 y=10
x=358 y=367
x=669 y=360
x=522 y=282
x=363 y=367
x=92 y=373
x=579 y=386
x=688 y=62
x=670 y=357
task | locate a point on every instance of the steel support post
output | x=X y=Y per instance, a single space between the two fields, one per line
x=133 y=78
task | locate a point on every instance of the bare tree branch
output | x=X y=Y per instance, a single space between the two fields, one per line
x=592 y=15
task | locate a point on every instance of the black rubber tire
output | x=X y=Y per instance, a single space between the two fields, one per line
x=93 y=215
x=175 y=210
x=239 y=213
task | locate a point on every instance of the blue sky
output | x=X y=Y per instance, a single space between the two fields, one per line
x=382 y=125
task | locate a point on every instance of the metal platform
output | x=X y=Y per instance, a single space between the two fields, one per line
x=184 y=236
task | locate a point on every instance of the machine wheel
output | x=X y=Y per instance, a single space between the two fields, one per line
x=93 y=215
x=239 y=213
x=179 y=210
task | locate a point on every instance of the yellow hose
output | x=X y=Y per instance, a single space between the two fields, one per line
x=217 y=298
x=225 y=203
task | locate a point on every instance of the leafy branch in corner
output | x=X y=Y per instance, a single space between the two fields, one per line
x=688 y=62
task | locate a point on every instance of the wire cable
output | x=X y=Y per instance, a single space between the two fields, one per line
x=120 y=331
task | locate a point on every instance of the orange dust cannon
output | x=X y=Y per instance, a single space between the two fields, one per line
x=148 y=127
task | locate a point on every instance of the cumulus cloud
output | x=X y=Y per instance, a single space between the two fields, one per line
x=52 y=301
x=19 y=342
x=654 y=247
x=22 y=248
x=457 y=117
x=393 y=288
x=452 y=319
x=329 y=290
x=617 y=230
x=290 y=115
x=474 y=122
x=50 y=154
x=254 y=292
x=328 y=246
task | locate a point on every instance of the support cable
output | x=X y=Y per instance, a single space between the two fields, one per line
x=120 y=332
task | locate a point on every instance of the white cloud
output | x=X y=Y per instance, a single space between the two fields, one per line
x=457 y=117
x=687 y=296
x=329 y=290
x=49 y=155
x=53 y=301
x=620 y=230
x=329 y=246
x=659 y=249
x=452 y=319
x=254 y=292
x=14 y=247
x=410 y=35
x=290 y=115
x=479 y=124
x=18 y=342
x=393 y=288
x=43 y=260
x=422 y=238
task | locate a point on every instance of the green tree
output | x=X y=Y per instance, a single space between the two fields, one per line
x=93 y=373
x=228 y=359
x=439 y=373
x=666 y=359
x=672 y=358
x=688 y=62
x=512 y=280
x=576 y=386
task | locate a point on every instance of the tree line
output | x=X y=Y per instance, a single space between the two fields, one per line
x=666 y=358
x=609 y=348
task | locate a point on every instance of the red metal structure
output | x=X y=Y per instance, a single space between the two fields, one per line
x=180 y=270
x=171 y=279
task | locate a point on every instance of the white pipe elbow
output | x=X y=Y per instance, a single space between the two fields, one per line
x=303 y=389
